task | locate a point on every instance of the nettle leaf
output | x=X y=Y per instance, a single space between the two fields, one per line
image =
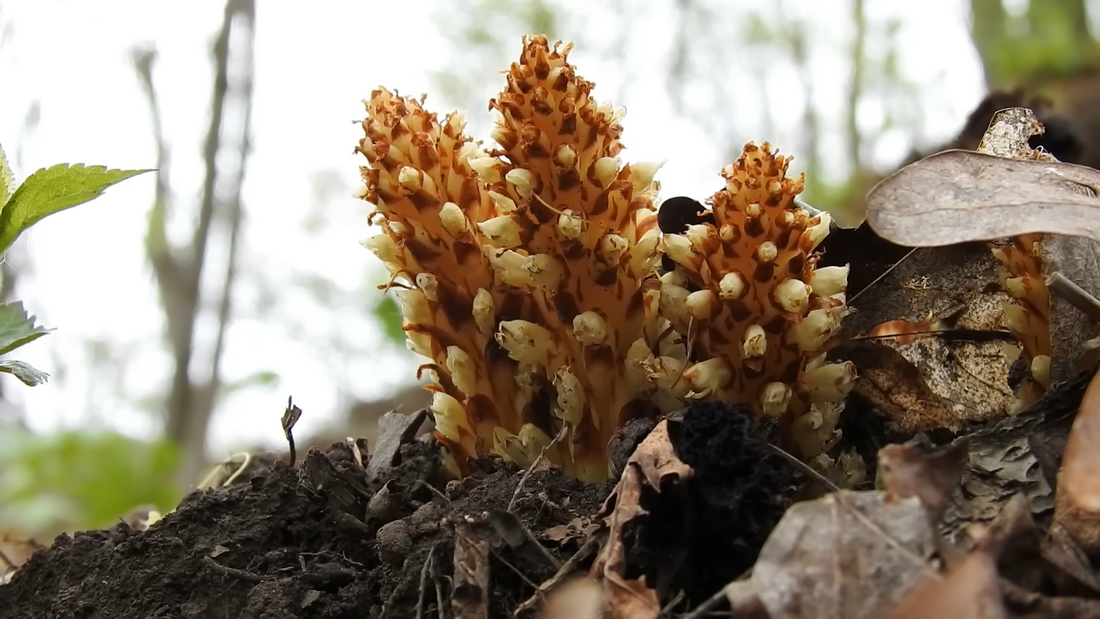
x=7 y=181
x=17 y=328
x=389 y=314
x=25 y=372
x=52 y=190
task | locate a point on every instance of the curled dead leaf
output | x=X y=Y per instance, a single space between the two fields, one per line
x=970 y=590
x=932 y=476
x=1077 y=497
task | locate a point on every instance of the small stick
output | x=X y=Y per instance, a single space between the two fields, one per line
x=290 y=417
x=424 y=571
x=805 y=468
x=231 y=571
x=530 y=469
x=1075 y=295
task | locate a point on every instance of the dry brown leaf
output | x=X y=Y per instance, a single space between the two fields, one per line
x=966 y=365
x=849 y=555
x=894 y=386
x=931 y=476
x=653 y=462
x=903 y=331
x=1077 y=497
x=959 y=196
x=970 y=591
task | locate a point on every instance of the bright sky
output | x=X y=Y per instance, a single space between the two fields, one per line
x=87 y=276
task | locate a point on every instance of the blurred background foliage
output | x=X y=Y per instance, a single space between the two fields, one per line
x=836 y=97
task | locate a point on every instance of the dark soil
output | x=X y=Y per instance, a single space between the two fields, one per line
x=320 y=540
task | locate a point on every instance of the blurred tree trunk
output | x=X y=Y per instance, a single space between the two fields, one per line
x=180 y=271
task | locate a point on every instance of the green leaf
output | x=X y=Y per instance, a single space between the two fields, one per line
x=51 y=190
x=24 y=372
x=389 y=314
x=7 y=182
x=17 y=328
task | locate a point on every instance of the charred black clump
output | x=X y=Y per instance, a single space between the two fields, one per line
x=699 y=537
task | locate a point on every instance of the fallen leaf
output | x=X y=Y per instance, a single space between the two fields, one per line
x=958 y=196
x=470 y=595
x=1077 y=497
x=652 y=463
x=931 y=476
x=849 y=555
x=893 y=385
x=969 y=591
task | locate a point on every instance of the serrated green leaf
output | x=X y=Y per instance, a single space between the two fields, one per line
x=7 y=182
x=51 y=190
x=17 y=328
x=24 y=372
x=389 y=314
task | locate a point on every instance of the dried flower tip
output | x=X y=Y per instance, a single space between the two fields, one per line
x=463 y=371
x=641 y=174
x=523 y=180
x=816 y=329
x=487 y=168
x=755 y=343
x=732 y=286
x=828 y=383
x=612 y=247
x=571 y=396
x=566 y=156
x=503 y=203
x=590 y=328
x=503 y=230
x=701 y=304
x=793 y=296
x=525 y=341
x=707 y=377
x=452 y=219
x=767 y=252
x=607 y=169
x=484 y=312
x=382 y=246
x=774 y=187
x=571 y=224
x=774 y=399
x=813 y=235
x=728 y=233
x=827 y=281
x=429 y=284
x=753 y=210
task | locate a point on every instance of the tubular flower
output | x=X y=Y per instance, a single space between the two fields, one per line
x=529 y=265
x=761 y=315
x=1028 y=318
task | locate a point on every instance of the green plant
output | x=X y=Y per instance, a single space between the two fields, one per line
x=47 y=191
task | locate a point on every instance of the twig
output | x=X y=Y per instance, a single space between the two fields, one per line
x=566 y=569
x=676 y=599
x=1075 y=295
x=231 y=571
x=424 y=571
x=740 y=596
x=880 y=277
x=542 y=454
x=805 y=468
x=290 y=417
x=242 y=468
